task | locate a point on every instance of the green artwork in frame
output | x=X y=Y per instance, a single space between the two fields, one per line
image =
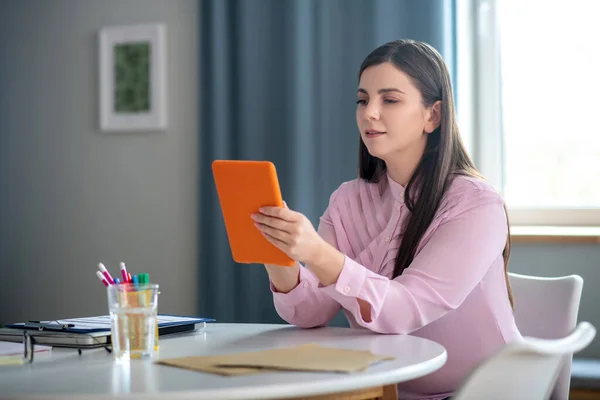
x=132 y=91
x=133 y=78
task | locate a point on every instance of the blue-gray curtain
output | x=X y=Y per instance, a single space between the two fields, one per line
x=278 y=83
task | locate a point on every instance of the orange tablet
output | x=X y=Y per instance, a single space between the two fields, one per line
x=243 y=187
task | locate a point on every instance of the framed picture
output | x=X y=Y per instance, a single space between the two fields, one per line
x=133 y=85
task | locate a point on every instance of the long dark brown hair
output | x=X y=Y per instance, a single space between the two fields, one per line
x=444 y=153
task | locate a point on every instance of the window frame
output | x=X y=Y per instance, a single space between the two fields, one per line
x=479 y=110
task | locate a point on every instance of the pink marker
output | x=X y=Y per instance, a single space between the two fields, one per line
x=101 y=277
x=124 y=273
x=109 y=278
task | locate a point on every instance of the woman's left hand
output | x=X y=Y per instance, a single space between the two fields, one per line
x=290 y=231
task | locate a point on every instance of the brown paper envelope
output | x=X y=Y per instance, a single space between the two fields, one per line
x=208 y=364
x=309 y=357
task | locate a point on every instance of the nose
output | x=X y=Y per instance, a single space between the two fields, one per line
x=371 y=111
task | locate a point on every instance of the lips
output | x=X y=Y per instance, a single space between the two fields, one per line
x=373 y=132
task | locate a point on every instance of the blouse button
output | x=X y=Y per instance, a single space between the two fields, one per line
x=387 y=239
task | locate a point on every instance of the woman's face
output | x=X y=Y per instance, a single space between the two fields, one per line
x=390 y=113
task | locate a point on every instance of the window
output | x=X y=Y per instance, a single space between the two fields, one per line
x=535 y=94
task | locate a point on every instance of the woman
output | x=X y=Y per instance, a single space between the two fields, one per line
x=419 y=243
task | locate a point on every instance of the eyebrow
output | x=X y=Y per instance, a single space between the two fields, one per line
x=381 y=91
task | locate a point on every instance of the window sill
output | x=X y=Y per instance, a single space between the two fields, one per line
x=555 y=234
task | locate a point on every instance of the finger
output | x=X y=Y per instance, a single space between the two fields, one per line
x=273 y=222
x=276 y=233
x=285 y=205
x=280 y=212
x=276 y=242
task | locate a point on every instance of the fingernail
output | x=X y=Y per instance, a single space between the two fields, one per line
x=253 y=216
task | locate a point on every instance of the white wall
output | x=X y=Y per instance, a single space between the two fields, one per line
x=72 y=196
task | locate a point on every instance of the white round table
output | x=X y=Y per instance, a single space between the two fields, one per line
x=64 y=373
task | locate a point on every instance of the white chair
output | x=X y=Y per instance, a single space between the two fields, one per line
x=524 y=370
x=547 y=308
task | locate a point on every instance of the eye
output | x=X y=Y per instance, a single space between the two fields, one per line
x=361 y=102
x=390 y=101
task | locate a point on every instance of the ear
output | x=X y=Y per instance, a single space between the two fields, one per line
x=433 y=117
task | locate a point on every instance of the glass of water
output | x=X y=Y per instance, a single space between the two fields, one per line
x=133 y=309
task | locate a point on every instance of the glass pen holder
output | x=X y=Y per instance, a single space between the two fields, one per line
x=134 y=322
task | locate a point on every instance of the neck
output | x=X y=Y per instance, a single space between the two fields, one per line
x=402 y=166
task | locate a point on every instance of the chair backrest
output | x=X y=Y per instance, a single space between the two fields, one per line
x=524 y=370
x=547 y=308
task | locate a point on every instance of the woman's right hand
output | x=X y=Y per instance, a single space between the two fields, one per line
x=284 y=279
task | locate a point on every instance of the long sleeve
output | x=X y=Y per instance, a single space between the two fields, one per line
x=449 y=266
x=306 y=305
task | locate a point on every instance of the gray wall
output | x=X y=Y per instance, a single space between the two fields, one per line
x=558 y=260
x=72 y=196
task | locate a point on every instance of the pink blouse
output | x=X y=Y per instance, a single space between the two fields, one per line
x=454 y=291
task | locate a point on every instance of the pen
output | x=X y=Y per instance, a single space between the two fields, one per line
x=109 y=278
x=101 y=277
x=50 y=325
x=117 y=281
x=124 y=272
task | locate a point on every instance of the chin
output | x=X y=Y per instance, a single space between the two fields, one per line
x=378 y=151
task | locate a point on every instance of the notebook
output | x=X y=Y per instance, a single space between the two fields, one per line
x=90 y=331
x=16 y=349
x=59 y=339
x=14 y=353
